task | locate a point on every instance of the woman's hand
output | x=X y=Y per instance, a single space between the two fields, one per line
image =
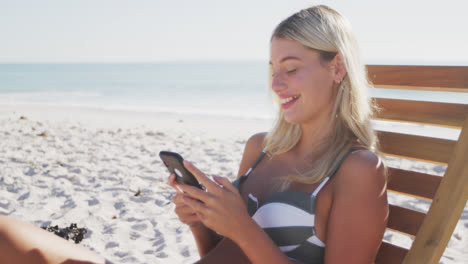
x=220 y=207
x=185 y=213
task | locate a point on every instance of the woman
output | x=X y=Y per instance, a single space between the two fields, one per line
x=312 y=190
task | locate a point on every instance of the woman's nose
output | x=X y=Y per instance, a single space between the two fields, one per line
x=277 y=83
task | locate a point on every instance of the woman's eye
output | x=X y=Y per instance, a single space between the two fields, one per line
x=291 y=71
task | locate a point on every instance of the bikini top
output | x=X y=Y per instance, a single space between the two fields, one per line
x=288 y=217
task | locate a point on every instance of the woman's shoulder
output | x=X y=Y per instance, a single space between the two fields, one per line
x=362 y=168
x=255 y=142
x=359 y=197
x=360 y=156
x=253 y=148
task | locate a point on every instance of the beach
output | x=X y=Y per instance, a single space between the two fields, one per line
x=101 y=170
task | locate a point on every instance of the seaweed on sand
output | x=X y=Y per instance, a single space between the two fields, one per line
x=72 y=232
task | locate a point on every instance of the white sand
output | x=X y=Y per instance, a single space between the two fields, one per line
x=91 y=163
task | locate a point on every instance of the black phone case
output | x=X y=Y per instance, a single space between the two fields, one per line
x=174 y=163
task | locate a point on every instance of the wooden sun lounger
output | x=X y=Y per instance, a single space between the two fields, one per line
x=448 y=194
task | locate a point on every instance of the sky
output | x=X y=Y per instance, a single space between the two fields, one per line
x=424 y=32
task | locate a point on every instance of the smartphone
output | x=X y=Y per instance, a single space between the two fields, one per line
x=174 y=163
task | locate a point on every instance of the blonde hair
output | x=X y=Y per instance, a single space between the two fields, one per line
x=327 y=31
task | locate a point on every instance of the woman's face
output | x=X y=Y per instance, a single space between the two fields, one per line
x=303 y=84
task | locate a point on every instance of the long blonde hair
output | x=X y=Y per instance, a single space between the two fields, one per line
x=327 y=31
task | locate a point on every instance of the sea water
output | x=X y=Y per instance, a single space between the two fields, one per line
x=237 y=89
x=221 y=88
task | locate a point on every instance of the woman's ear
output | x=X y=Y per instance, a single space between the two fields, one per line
x=338 y=68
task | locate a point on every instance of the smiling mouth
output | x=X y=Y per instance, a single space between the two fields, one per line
x=288 y=102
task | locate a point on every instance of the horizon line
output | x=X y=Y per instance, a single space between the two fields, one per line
x=188 y=61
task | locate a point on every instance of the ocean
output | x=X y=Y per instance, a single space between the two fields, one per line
x=237 y=89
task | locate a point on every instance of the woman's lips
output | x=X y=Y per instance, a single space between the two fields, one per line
x=288 y=102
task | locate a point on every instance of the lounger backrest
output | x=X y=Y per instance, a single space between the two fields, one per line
x=448 y=194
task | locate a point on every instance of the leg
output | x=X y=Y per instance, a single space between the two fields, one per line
x=21 y=242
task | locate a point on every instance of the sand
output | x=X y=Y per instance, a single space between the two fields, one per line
x=85 y=166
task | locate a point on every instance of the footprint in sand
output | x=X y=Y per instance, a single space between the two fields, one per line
x=92 y=202
x=13 y=188
x=69 y=204
x=161 y=203
x=77 y=170
x=24 y=196
x=162 y=255
x=119 y=205
x=185 y=252
x=4 y=204
x=160 y=242
x=109 y=229
x=134 y=235
x=30 y=172
x=121 y=254
x=139 y=227
x=112 y=245
x=210 y=152
x=143 y=199
x=223 y=159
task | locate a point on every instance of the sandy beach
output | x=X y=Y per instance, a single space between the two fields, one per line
x=101 y=170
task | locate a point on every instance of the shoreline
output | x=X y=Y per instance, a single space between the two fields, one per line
x=211 y=125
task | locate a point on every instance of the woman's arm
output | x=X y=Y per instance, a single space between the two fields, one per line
x=226 y=252
x=359 y=211
x=21 y=242
x=222 y=209
x=252 y=244
x=205 y=238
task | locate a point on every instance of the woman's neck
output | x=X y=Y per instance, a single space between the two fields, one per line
x=313 y=135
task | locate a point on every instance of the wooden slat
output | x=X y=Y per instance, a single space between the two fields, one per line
x=446 y=209
x=411 y=183
x=451 y=196
x=442 y=114
x=390 y=254
x=423 y=88
x=404 y=220
x=416 y=147
x=454 y=77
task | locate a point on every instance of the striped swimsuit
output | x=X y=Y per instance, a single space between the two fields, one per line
x=288 y=217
